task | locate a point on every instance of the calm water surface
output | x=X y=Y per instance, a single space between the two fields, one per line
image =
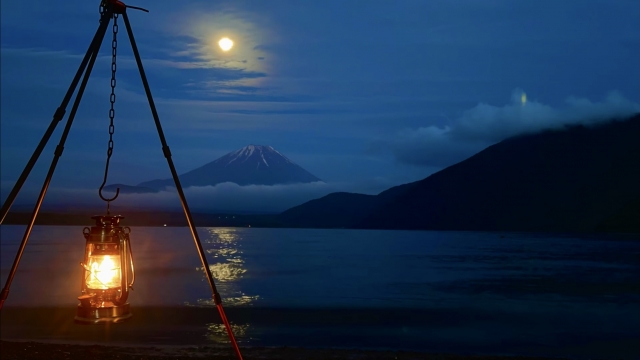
x=470 y=292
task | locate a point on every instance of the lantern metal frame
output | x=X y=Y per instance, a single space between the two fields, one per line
x=111 y=8
x=106 y=302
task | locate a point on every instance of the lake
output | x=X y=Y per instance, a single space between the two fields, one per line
x=462 y=292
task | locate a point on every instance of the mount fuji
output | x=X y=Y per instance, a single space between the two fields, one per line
x=251 y=165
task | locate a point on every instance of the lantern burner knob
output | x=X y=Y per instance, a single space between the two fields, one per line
x=85 y=300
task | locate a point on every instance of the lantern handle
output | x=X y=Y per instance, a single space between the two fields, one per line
x=124 y=279
x=127 y=231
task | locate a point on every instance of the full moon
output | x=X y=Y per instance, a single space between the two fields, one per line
x=225 y=44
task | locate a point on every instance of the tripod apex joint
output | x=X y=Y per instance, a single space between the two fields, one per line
x=118 y=7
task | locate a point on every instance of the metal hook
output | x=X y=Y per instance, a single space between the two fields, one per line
x=100 y=192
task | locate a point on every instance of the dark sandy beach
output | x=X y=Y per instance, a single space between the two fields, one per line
x=47 y=351
x=160 y=333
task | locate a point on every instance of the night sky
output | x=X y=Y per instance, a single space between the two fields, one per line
x=363 y=94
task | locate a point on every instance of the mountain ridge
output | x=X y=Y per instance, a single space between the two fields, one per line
x=557 y=180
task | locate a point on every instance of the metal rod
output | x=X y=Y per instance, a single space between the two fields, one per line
x=58 y=152
x=167 y=154
x=57 y=117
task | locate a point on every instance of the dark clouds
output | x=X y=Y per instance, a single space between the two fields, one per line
x=492 y=123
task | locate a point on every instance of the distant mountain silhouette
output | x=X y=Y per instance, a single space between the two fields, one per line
x=251 y=165
x=338 y=210
x=577 y=179
x=335 y=210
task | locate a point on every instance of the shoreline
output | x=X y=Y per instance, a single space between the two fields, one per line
x=139 y=218
x=148 y=218
x=30 y=350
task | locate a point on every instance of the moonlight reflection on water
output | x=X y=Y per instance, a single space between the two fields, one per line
x=217 y=333
x=227 y=268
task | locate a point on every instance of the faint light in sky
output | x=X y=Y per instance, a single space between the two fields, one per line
x=523 y=98
x=225 y=44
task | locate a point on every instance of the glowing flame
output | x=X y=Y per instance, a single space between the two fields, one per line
x=104 y=272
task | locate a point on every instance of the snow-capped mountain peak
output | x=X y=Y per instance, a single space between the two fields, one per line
x=260 y=155
x=250 y=165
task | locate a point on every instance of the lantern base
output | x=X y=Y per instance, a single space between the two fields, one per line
x=107 y=314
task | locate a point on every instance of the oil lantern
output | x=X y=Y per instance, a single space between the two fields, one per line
x=108 y=272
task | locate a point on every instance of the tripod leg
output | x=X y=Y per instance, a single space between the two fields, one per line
x=57 y=117
x=167 y=154
x=58 y=152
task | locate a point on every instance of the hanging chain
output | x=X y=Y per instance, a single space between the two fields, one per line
x=112 y=100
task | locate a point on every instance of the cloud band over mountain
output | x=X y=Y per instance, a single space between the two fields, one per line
x=486 y=124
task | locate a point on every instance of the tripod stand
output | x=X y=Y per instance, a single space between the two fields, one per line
x=110 y=9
